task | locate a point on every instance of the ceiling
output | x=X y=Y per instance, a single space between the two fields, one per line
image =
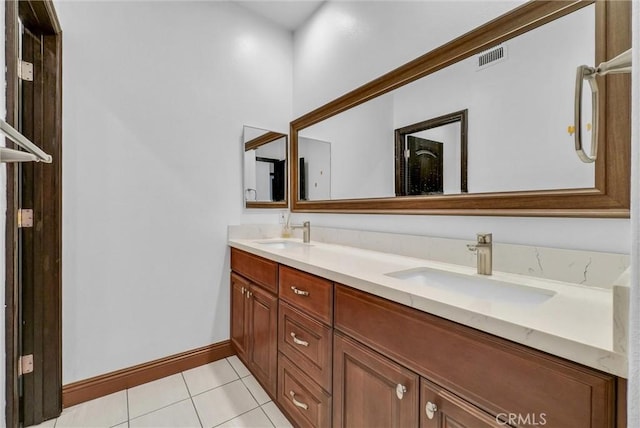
x=289 y=14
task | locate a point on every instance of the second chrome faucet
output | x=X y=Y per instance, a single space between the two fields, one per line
x=306 y=231
x=484 y=251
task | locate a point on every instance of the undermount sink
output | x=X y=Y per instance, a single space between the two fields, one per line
x=281 y=245
x=475 y=286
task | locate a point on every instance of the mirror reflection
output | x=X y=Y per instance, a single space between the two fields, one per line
x=265 y=168
x=431 y=156
x=519 y=99
x=314 y=169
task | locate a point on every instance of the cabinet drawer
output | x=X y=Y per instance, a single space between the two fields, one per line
x=494 y=374
x=307 y=342
x=261 y=271
x=303 y=399
x=311 y=294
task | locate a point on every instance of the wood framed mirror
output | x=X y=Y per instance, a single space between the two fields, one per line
x=605 y=192
x=265 y=168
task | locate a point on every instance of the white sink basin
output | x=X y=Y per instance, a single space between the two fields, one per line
x=281 y=245
x=475 y=286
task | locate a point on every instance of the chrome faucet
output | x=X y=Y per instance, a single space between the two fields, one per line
x=306 y=231
x=484 y=250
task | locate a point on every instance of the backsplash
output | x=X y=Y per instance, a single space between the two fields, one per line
x=587 y=268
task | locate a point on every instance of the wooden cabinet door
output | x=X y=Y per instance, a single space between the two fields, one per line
x=440 y=408
x=239 y=326
x=263 y=336
x=370 y=390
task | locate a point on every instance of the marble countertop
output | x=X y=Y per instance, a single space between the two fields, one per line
x=575 y=323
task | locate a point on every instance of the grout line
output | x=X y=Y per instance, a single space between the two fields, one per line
x=251 y=393
x=186 y=384
x=128 y=416
x=165 y=406
x=160 y=408
x=234 y=369
x=266 y=414
x=219 y=386
x=192 y=402
x=237 y=416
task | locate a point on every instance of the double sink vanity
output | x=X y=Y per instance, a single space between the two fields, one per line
x=364 y=329
x=344 y=336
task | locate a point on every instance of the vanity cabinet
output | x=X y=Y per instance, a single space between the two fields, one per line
x=371 y=390
x=331 y=355
x=254 y=317
x=476 y=374
x=305 y=348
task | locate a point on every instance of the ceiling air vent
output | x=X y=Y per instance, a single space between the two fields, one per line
x=492 y=56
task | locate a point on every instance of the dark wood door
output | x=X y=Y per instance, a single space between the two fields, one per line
x=263 y=335
x=440 y=408
x=425 y=166
x=239 y=326
x=39 y=246
x=370 y=390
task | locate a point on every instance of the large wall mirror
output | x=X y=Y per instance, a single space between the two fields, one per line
x=513 y=78
x=265 y=168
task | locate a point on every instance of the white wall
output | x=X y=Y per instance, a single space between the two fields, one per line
x=155 y=98
x=347 y=44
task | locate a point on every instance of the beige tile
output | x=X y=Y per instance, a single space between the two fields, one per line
x=209 y=376
x=256 y=390
x=256 y=418
x=178 y=415
x=157 y=394
x=224 y=403
x=105 y=411
x=275 y=415
x=122 y=425
x=239 y=366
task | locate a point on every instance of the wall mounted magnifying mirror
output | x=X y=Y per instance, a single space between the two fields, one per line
x=265 y=168
x=515 y=78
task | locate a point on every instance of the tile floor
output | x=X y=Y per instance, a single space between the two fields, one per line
x=220 y=394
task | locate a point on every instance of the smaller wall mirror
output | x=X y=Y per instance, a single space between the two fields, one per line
x=431 y=156
x=265 y=168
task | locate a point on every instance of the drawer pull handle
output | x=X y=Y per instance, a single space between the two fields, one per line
x=299 y=292
x=400 y=390
x=243 y=290
x=296 y=402
x=431 y=409
x=298 y=341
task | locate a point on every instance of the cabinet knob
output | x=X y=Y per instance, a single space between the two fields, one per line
x=296 y=402
x=431 y=409
x=243 y=290
x=298 y=341
x=400 y=390
x=299 y=292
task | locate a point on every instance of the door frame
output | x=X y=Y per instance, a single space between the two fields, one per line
x=39 y=17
